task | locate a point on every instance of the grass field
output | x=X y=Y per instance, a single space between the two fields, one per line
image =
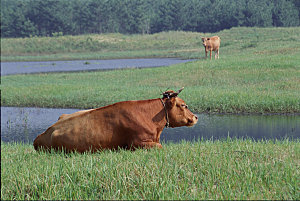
x=257 y=72
x=235 y=41
x=230 y=169
x=222 y=86
x=105 y=46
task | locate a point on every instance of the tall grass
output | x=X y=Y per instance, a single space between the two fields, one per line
x=230 y=169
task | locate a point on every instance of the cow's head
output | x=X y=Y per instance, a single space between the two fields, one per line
x=178 y=112
x=205 y=41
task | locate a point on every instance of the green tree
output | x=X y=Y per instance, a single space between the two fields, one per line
x=14 y=23
x=258 y=13
x=48 y=16
x=197 y=17
x=168 y=15
x=284 y=13
x=83 y=17
x=99 y=13
x=21 y=18
x=228 y=13
x=297 y=4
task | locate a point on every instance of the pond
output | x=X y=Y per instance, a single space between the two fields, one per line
x=24 y=124
x=9 y=68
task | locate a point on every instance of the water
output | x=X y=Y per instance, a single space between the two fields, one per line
x=24 y=124
x=9 y=68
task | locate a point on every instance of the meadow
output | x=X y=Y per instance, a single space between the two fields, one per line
x=228 y=169
x=104 y=46
x=257 y=72
x=234 y=41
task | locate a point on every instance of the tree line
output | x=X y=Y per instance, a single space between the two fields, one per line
x=25 y=18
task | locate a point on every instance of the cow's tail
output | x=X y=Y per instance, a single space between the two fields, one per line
x=43 y=141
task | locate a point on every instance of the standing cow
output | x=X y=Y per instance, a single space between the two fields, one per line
x=127 y=124
x=211 y=44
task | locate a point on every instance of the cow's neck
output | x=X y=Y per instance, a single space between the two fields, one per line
x=166 y=113
x=155 y=110
x=160 y=118
x=148 y=114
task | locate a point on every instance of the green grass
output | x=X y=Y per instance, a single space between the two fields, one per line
x=227 y=86
x=235 y=41
x=258 y=72
x=104 y=46
x=230 y=169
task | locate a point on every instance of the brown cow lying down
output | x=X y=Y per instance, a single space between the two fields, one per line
x=128 y=124
x=212 y=44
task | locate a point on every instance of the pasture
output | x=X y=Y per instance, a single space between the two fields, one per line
x=229 y=169
x=258 y=72
x=223 y=86
x=237 y=42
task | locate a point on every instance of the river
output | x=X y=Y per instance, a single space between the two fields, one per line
x=24 y=124
x=10 y=68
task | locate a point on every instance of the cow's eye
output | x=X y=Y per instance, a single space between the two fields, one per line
x=184 y=106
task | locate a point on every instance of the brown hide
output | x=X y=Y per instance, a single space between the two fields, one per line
x=128 y=124
x=212 y=44
x=64 y=116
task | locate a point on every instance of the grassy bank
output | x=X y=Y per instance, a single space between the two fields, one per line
x=258 y=72
x=232 y=169
x=104 y=46
x=165 y=44
x=259 y=84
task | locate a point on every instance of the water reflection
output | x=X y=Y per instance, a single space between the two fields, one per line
x=238 y=126
x=24 y=124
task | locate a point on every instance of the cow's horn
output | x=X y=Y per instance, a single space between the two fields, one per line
x=176 y=93
x=180 y=90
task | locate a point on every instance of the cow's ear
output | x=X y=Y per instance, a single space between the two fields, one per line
x=171 y=102
x=202 y=39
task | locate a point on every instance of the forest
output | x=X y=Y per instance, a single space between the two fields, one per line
x=29 y=18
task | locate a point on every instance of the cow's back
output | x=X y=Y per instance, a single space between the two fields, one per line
x=91 y=129
x=214 y=42
x=64 y=116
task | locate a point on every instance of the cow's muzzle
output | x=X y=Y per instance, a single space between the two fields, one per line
x=192 y=121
